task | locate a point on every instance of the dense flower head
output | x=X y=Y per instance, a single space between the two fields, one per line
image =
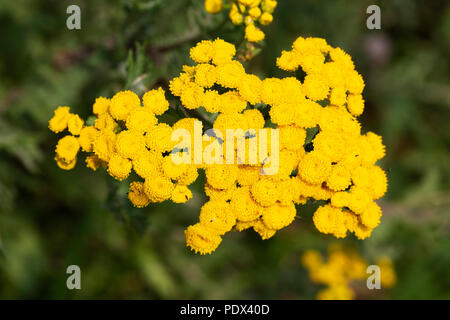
x=343 y=267
x=252 y=13
x=311 y=126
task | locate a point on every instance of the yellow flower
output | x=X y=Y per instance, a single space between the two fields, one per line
x=181 y=194
x=213 y=6
x=370 y=217
x=155 y=101
x=67 y=148
x=148 y=164
x=254 y=12
x=338 y=166
x=235 y=17
x=355 y=104
x=249 y=88
x=101 y=105
x=231 y=102
x=315 y=88
x=339 y=178
x=158 y=138
x=202 y=52
x=265 y=192
x=189 y=176
x=277 y=216
x=205 y=75
x=229 y=74
x=191 y=96
x=265 y=18
x=292 y=137
x=217 y=216
x=264 y=231
x=328 y=219
x=253 y=33
x=255 y=119
x=119 y=167
x=105 y=122
x=58 y=122
x=129 y=144
x=314 y=168
x=211 y=101
x=221 y=176
x=141 y=120
x=75 y=124
x=223 y=52
x=158 y=188
x=87 y=138
x=93 y=162
x=288 y=61
x=105 y=145
x=137 y=195
x=243 y=205
x=268 y=5
x=200 y=239
x=123 y=103
x=62 y=164
x=172 y=170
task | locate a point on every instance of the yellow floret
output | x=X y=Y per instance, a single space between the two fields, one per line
x=202 y=52
x=119 y=167
x=265 y=18
x=105 y=145
x=314 y=168
x=93 y=162
x=155 y=101
x=205 y=75
x=58 y=122
x=65 y=165
x=265 y=192
x=217 y=216
x=181 y=194
x=67 y=148
x=355 y=104
x=141 y=120
x=87 y=138
x=75 y=124
x=277 y=216
x=158 y=188
x=213 y=6
x=253 y=33
x=201 y=240
x=101 y=105
x=221 y=176
x=263 y=230
x=129 y=144
x=123 y=103
x=159 y=138
x=223 y=52
x=137 y=196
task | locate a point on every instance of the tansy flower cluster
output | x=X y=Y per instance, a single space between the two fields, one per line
x=251 y=13
x=126 y=137
x=343 y=268
x=336 y=166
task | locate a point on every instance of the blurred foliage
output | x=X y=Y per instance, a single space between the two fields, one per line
x=50 y=219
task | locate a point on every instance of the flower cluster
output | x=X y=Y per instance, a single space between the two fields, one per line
x=127 y=136
x=342 y=162
x=342 y=268
x=252 y=13
x=336 y=164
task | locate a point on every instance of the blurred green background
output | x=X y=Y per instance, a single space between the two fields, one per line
x=50 y=219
